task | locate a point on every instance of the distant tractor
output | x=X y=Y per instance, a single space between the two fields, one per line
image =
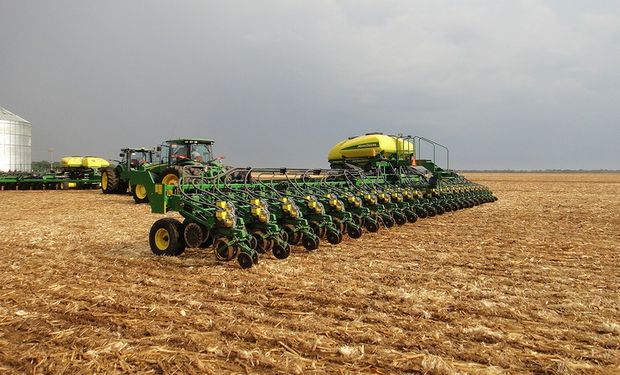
x=117 y=180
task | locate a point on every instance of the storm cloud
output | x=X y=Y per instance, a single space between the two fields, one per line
x=505 y=84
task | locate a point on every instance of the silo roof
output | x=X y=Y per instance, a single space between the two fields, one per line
x=6 y=115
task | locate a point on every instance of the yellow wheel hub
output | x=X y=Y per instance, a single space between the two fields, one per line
x=162 y=239
x=104 y=181
x=170 y=179
x=141 y=191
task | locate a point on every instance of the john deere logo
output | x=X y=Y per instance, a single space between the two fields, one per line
x=363 y=145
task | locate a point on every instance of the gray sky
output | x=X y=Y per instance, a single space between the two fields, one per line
x=504 y=84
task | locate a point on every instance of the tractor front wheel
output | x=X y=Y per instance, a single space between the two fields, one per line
x=139 y=194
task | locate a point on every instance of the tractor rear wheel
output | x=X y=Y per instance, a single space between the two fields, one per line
x=165 y=238
x=109 y=180
x=170 y=176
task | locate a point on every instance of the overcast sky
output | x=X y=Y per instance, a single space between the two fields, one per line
x=504 y=84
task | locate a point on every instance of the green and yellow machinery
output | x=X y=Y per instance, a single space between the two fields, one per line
x=141 y=168
x=118 y=179
x=375 y=181
x=77 y=172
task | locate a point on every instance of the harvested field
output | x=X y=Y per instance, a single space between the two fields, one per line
x=528 y=284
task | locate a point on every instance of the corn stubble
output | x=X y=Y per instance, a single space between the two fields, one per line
x=528 y=284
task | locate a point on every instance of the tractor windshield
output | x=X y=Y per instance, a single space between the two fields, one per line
x=138 y=158
x=201 y=153
x=179 y=152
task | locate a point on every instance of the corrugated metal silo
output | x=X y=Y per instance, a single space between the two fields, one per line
x=15 y=142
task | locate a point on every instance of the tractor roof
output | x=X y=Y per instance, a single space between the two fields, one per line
x=192 y=140
x=132 y=149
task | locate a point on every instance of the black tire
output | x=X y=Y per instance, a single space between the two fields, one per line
x=388 y=220
x=165 y=238
x=193 y=234
x=109 y=180
x=399 y=218
x=431 y=211
x=293 y=237
x=281 y=251
x=372 y=226
x=411 y=216
x=244 y=260
x=354 y=231
x=310 y=243
x=421 y=212
x=139 y=194
x=439 y=209
x=334 y=237
x=123 y=187
x=224 y=251
x=263 y=244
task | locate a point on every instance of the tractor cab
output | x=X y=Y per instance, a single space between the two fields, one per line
x=187 y=151
x=137 y=158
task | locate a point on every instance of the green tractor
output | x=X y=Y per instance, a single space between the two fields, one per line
x=179 y=153
x=140 y=168
x=117 y=180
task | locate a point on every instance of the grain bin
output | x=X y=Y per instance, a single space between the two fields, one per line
x=15 y=142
